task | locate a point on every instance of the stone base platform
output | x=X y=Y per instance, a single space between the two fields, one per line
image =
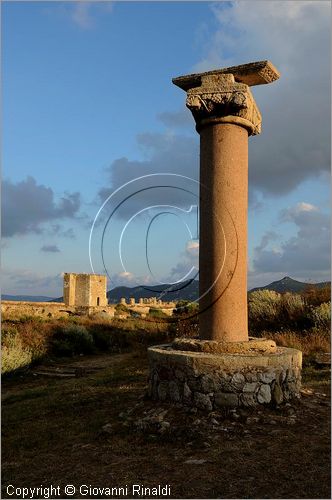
x=210 y=381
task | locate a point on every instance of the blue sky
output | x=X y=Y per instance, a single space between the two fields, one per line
x=88 y=105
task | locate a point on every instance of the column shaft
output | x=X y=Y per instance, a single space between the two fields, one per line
x=223 y=202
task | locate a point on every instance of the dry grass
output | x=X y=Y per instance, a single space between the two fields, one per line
x=309 y=343
x=269 y=310
x=32 y=339
x=53 y=434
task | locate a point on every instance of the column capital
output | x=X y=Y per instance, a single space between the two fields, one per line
x=224 y=96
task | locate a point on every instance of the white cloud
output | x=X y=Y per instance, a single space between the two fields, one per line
x=300 y=208
x=28 y=206
x=295 y=36
x=125 y=278
x=189 y=262
x=82 y=12
x=26 y=282
x=192 y=247
x=164 y=154
x=307 y=254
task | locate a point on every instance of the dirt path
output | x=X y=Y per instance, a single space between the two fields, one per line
x=97 y=429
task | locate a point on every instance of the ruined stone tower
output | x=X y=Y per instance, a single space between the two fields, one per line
x=84 y=290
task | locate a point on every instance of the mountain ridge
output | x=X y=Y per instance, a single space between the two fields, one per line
x=187 y=290
x=288 y=284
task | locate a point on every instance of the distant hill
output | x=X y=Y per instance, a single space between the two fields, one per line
x=287 y=284
x=31 y=298
x=188 y=290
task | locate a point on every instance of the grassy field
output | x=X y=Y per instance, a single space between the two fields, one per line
x=95 y=429
x=74 y=411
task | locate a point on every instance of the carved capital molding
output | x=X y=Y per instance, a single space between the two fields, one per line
x=220 y=96
x=224 y=95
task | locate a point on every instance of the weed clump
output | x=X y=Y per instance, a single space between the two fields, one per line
x=13 y=355
x=72 y=339
x=321 y=316
x=156 y=313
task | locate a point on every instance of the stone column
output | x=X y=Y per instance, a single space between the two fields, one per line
x=225 y=114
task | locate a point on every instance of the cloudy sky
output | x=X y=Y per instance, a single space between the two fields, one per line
x=96 y=136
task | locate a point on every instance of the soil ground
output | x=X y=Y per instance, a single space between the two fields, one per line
x=98 y=429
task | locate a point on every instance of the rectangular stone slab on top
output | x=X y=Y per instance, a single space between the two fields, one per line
x=255 y=73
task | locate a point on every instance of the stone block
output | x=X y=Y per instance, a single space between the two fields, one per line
x=282 y=376
x=208 y=383
x=194 y=384
x=187 y=394
x=174 y=392
x=179 y=374
x=247 y=399
x=264 y=394
x=163 y=391
x=267 y=377
x=225 y=399
x=238 y=381
x=250 y=387
x=202 y=401
x=276 y=395
x=251 y=377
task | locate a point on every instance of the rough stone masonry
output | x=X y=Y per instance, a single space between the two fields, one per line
x=252 y=371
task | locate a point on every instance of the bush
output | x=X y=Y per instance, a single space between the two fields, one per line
x=293 y=306
x=157 y=313
x=263 y=309
x=321 y=316
x=314 y=296
x=120 y=308
x=293 y=311
x=107 y=338
x=185 y=307
x=8 y=331
x=23 y=342
x=72 y=339
x=13 y=355
x=273 y=311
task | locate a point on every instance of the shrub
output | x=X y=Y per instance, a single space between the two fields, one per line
x=293 y=305
x=30 y=336
x=13 y=355
x=8 y=331
x=314 y=296
x=107 y=338
x=157 y=313
x=185 y=307
x=321 y=316
x=293 y=311
x=26 y=318
x=273 y=311
x=263 y=309
x=72 y=339
x=121 y=308
x=35 y=337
